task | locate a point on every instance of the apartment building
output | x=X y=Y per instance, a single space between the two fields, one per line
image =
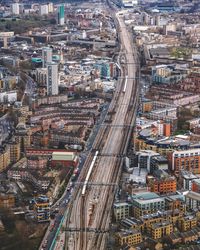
x=146 y=203
x=175 y=202
x=192 y=200
x=164 y=185
x=195 y=187
x=185 y=160
x=121 y=210
x=4 y=158
x=187 y=223
x=186 y=179
x=161 y=229
x=39 y=182
x=42 y=209
x=37 y=162
x=130 y=237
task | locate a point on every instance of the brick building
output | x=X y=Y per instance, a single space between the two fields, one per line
x=185 y=160
x=163 y=185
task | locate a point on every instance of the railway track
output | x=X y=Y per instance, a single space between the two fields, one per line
x=112 y=140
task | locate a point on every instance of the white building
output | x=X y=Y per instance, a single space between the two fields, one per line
x=52 y=79
x=44 y=9
x=129 y=3
x=50 y=7
x=8 y=97
x=46 y=56
x=15 y=8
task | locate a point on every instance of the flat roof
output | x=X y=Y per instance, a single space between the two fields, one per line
x=193 y=195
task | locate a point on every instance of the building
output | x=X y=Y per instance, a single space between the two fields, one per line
x=192 y=200
x=164 y=185
x=66 y=159
x=61 y=14
x=149 y=219
x=15 y=8
x=42 y=209
x=8 y=96
x=196 y=185
x=43 y=9
x=185 y=160
x=7 y=200
x=186 y=179
x=129 y=237
x=4 y=158
x=46 y=56
x=175 y=202
x=50 y=7
x=15 y=151
x=41 y=183
x=146 y=203
x=161 y=229
x=37 y=162
x=121 y=210
x=52 y=79
x=147 y=105
x=158 y=162
x=187 y=223
x=144 y=158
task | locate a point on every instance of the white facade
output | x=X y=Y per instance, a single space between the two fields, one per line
x=46 y=56
x=129 y=3
x=52 y=79
x=15 y=8
x=8 y=97
x=44 y=9
x=50 y=7
x=160 y=129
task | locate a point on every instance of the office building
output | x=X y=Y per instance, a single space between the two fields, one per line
x=15 y=8
x=61 y=14
x=46 y=56
x=42 y=208
x=52 y=79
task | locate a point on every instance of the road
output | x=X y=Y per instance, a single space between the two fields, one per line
x=88 y=220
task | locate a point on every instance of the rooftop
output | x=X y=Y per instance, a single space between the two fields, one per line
x=193 y=195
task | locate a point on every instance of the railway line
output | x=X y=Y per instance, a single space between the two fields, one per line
x=91 y=205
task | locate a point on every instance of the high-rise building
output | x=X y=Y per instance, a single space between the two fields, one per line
x=61 y=14
x=46 y=56
x=15 y=8
x=52 y=78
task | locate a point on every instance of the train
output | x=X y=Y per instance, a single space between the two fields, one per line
x=89 y=173
x=125 y=84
